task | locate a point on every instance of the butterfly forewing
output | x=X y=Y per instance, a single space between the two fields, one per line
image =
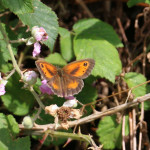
x=80 y=69
x=47 y=70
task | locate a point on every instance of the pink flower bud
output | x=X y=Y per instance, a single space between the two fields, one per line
x=30 y=77
x=39 y=33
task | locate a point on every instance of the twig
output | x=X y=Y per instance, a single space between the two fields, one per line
x=37 y=97
x=81 y=3
x=144 y=56
x=114 y=94
x=131 y=130
x=123 y=133
x=141 y=120
x=22 y=40
x=11 y=73
x=96 y=115
x=37 y=114
x=134 y=129
x=122 y=30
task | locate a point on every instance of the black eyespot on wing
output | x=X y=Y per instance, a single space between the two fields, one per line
x=42 y=66
x=85 y=64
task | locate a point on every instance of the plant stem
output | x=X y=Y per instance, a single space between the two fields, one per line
x=16 y=65
x=37 y=98
x=10 y=49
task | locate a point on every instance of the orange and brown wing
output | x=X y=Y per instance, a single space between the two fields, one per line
x=73 y=86
x=47 y=70
x=66 y=86
x=80 y=69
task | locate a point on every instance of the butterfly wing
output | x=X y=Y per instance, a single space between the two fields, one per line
x=80 y=69
x=65 y=86
x=47 y=70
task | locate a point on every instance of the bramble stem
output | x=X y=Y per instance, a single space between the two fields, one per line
x=10 y=50
x=6 y=39
x=37 y=98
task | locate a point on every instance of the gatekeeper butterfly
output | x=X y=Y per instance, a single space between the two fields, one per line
x=66 y=81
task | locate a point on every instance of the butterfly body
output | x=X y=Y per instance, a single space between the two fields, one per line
x=66 y=81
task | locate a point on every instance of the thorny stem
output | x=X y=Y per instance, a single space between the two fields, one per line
x=16 y=65
x=81 y=137
x=19 y=41
x=37 y=97
x=96 y=115
x=11 y=73
x=37 y=115
x=10 y=50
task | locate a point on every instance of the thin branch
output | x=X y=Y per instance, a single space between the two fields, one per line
x=141 y=125
x=94 y=116
x=37 y=97
x=131 y=129
x=123 y=133
x=134 y=129
x=83 y=5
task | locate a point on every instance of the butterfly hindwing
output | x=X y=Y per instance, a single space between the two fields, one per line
x=66 y=86
x=80 y=69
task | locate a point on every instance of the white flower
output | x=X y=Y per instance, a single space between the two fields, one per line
x=70 y=103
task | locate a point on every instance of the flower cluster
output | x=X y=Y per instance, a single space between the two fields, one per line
x=2 y=86
x=39 y=34
x=63 y=113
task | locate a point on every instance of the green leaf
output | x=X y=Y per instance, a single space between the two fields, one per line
x=44 y=17
x=131 y=3
x=9 y=123
x=133 y=79
x=12 y=125
x=66 y=44
x=18 y=6
x=95 y=29
x=17 y=144
x=2 y=146
x=109 y=132
x=107 y=61
x=56 y=59
x=147 y=103
x=17 y=100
